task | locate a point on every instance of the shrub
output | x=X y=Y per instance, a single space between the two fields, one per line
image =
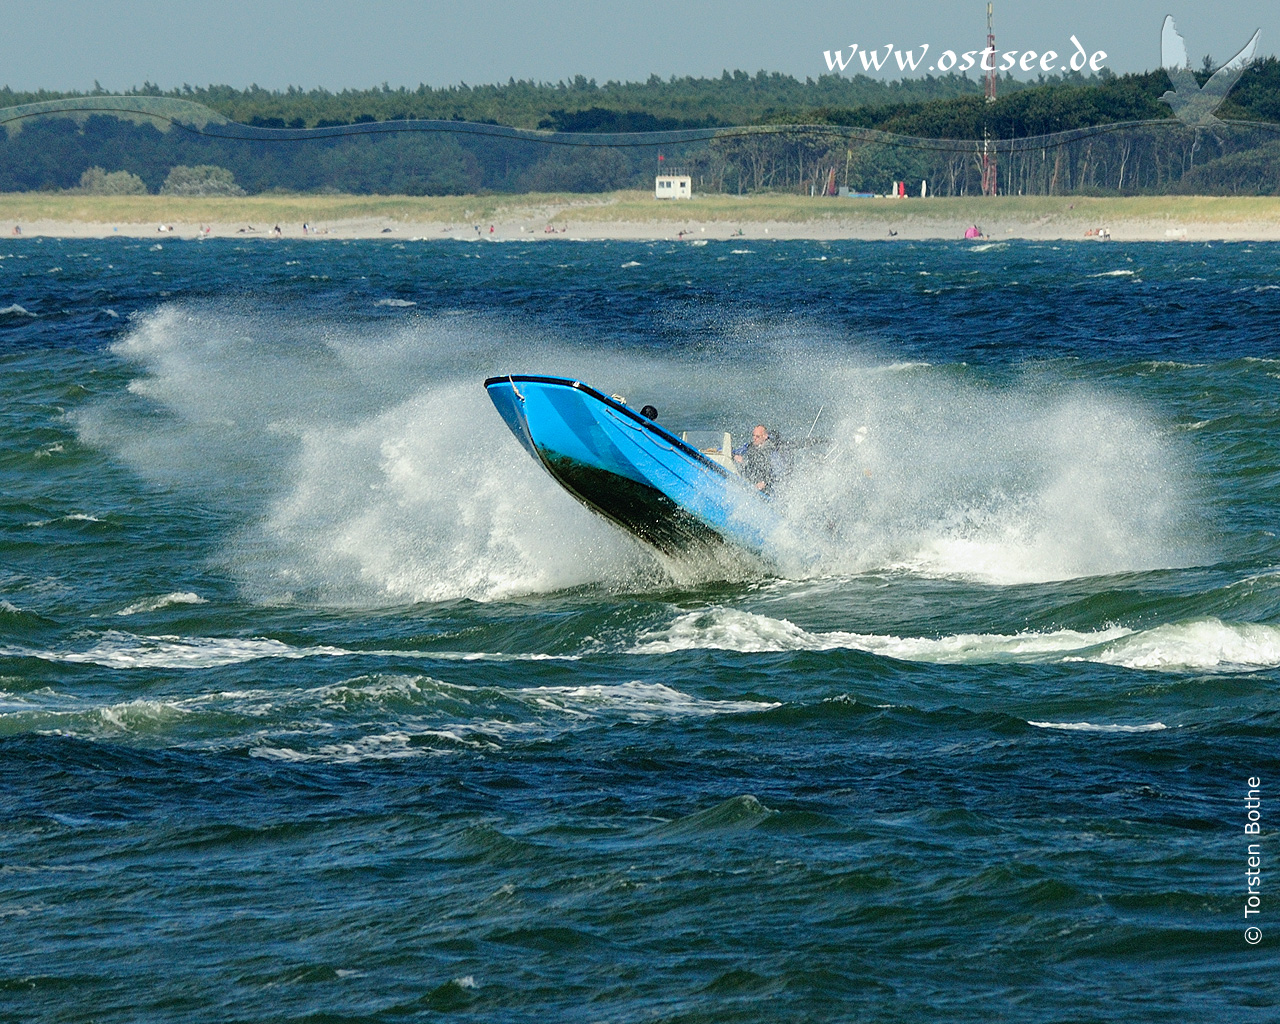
x=97 y=182
x=201 y=180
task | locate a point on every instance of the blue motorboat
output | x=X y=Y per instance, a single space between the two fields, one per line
x=680 y=497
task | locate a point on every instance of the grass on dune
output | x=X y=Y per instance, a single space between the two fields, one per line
x=625 y=206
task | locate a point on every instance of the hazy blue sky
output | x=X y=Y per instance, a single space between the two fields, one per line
x=66 y=44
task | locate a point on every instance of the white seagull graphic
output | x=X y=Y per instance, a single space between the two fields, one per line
x=1192 y=104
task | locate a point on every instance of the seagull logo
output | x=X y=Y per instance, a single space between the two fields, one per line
x=1191 y=104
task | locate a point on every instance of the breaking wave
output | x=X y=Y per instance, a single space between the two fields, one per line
x=1201 y=645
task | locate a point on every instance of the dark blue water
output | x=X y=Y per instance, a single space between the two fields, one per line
x=320 y=701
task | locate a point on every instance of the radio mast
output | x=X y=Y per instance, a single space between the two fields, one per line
x=988 y=153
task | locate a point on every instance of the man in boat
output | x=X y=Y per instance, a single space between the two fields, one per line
x=762 y=459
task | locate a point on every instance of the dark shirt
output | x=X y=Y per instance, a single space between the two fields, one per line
x=763 y=463
x=757 y=465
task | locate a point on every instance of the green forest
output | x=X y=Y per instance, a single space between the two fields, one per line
x=100 y=152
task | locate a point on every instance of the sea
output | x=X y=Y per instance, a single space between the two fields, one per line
x=321 y=701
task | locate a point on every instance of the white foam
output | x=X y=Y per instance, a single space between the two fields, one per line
x=635 y=700
x=1090 y=727
x=908 y=365
x=59 y=715
x=125 y=651
x=389 y=746
x=74 y=517
x=1114 y=273
x=15 y=310
x=495 y=656
x=732 y=630
x=153 y=604
x=396 y=303
x=1199 y=645
x=376 y=717
x=138 y=715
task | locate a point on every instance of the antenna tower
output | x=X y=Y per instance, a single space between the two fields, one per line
x=991 y=46
x=989 y=187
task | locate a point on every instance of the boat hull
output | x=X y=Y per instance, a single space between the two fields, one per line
x=630 y=469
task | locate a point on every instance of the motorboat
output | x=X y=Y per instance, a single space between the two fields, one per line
x=681 y=494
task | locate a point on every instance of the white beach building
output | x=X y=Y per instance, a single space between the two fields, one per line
x=673 y=186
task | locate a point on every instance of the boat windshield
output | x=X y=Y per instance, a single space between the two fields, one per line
x=716 y=445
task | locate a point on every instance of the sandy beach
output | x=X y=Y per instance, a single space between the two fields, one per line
x=637 y=215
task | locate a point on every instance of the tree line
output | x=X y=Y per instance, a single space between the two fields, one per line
x=50 y=153
x=733 y=98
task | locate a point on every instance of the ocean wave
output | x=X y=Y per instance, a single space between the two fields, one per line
x=635 y=699
x=74 y=517
x=16 y=310
x=532 y=714
x=496 y=656
x=395 y=303
x=1091 y=727
x=369 y=717
x=153 y=604
x=1199 y=645
x=120 y=650
x=379 y=747
x=57 y=715
x=732 y=630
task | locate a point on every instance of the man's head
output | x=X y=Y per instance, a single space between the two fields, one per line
x=760 y=435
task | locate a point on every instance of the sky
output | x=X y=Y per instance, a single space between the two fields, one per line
x=70 y=44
